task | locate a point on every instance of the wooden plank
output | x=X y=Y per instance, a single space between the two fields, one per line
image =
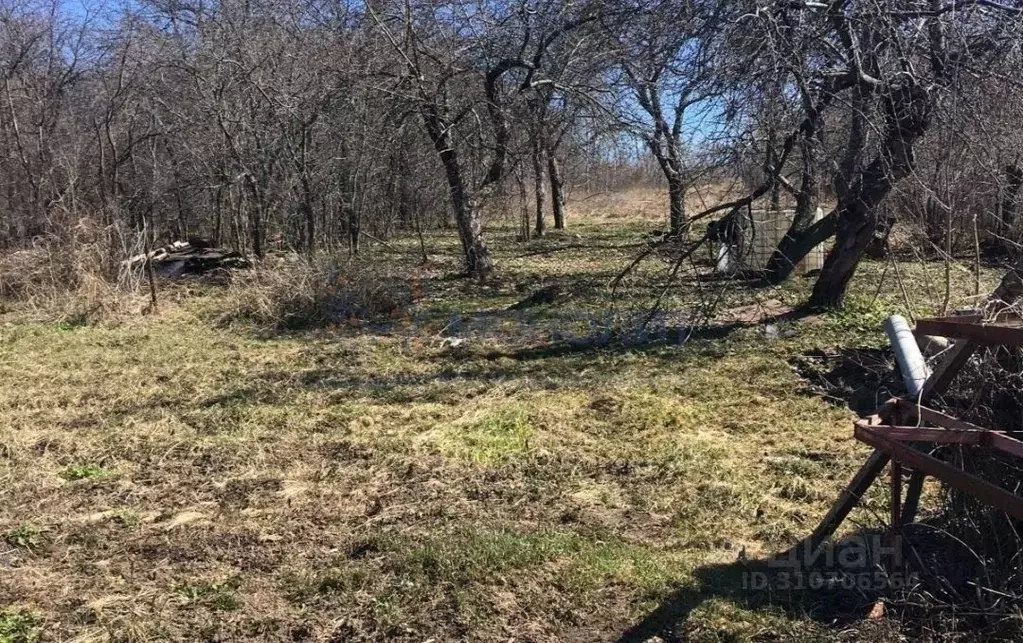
x=953 y=477
x=983 y=334
x=946 y=421
x=896 y=484
x=851 y=495
x=1006 y=443
x=913 y=492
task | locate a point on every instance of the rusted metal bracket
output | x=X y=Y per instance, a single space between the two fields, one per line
x=956 y=478
x=899 y=421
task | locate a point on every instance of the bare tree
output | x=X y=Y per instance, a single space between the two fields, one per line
x=667 y=60
x=450 y=89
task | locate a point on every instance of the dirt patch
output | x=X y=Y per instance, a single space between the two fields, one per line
x=756 y=313
x=860 y=378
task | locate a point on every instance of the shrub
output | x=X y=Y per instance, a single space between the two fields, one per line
x=74 y=276
x=293 y=293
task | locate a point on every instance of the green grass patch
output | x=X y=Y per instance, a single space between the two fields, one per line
x=217 y=597
x=19 y=626
x=582 y=563
x=494 y=438
x=83 y=471
x=25 y=536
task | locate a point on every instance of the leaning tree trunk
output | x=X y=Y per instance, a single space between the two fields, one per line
x=804 y=234
x=557 y=190
x=539 y=165
x=908 y=113
x=467 y=218
x=787 y=255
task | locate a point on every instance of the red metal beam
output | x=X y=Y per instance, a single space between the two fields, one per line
x=1005 y=443
x=956 y=478
x=927 y=434
x=984 y=334
x=896 y=472
x=954 y=431
x=849 y=498
x=947 y=369
x=938 y=418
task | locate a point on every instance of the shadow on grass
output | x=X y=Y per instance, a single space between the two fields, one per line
x=859 y=378
x=836 y=589
x=655 y=336
x=636 y=341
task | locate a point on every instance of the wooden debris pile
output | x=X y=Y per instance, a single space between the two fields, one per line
x=192 y=257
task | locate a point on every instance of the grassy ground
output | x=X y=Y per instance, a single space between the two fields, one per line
x=193 y=476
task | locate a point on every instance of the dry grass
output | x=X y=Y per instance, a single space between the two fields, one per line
x=169 y=477
x=73 y=279
x=646 y=204
x=289 y=292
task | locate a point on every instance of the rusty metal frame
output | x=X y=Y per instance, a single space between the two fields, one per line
x=899 y=423
x=904 y=454
x=999 y=334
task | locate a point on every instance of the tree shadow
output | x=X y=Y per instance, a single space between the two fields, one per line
x=612 y=342
x=836 y=587
x=858 y=378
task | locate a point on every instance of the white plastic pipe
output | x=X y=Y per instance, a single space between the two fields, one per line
x=724 y=259
x=907 y=353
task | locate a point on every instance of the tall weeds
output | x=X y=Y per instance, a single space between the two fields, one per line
x=76 y=276
x=294 y=293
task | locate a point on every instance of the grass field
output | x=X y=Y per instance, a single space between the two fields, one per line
x=195 y=475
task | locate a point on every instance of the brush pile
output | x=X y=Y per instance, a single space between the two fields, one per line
x=192 y=257
x=988 y=391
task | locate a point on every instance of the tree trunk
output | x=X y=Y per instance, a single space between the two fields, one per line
x=309 y=216
x=524 y=227
x=256 y=221
x=467 y=217
x=557 y=190
x=470 y=231
x=353 y=225
x=855 y=230
x=676 y=202
x=1013 y=184
x=774 y=204
x=218 y=212
x=908 y=112
x=539 y=165
x=786 y=256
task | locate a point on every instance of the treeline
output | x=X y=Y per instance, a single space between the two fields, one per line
x=309 y=124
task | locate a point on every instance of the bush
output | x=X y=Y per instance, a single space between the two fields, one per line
x=74 y=276
x=293 y=293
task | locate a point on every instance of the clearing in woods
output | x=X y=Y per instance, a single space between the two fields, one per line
x=189 y=475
